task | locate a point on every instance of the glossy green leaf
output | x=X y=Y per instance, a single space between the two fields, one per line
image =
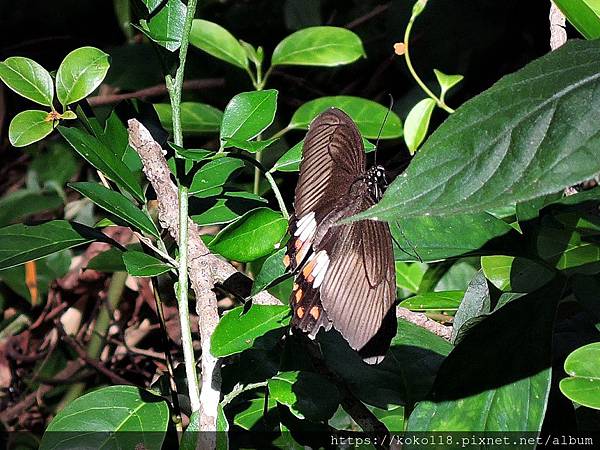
x=237 y=332
x=229 y=208
x=248 y=114
x=152 y=4
x=166 y=27
x=507 y=389
x=367 y=114
x=527 y=136
x=417 y=124
x=446 y=82
x=139 y=264
x=409 y=276
x=307 y=394
x=103 y=159
x=28 y=79
x=117 y=204
x=108 y=261
x=20 y=204
x=444 y=300
x=119 y=416
x=252 y=236
x=319 y=46
x=253 y=413
x=249 y=146
x=583 y=383
x=476 y=304
x=218 y=42
x=271 y=269
x=21 y=243
x=80 y=73
x=290 y=160
x=196 y=118
x=208 y=180
x=512 y=274
x=28 y=127
x=583 y=14
x=568 y=250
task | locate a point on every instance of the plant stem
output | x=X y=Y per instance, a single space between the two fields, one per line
x=278 y=196
x=239 y=389
x=439 y=101
x=175 y=87
x=256 y=187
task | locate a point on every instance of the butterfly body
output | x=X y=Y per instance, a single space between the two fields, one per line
x=345 y=275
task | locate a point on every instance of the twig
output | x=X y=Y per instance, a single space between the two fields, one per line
x=558 y=33
x=423 y=321
x=154 y=91
x=366 y=17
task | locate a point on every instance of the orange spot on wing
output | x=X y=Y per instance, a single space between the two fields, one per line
x=309 y=267
x=314 y=311
x=286 y=260
x=298 y=295
x=300 y=312
x=298 y=243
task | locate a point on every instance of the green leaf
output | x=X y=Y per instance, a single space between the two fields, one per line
x=515 y=274
x=196 y=118
x=166 y=27
x=112 y=416
x=16 y=206
x=409 y=276
x=583 y=384
x=249 y=146
x=446 y=82
x=28 y=79
x=218 y=42
x=444 y=301
x=475 y=304
x=109 y=261
x=80 y=73
x=248 y=114
x=152 y=4
x=229 y=208
x=117 y=204
x=249 y=417
x=28 y=127
x=252 y=236
x=271 y=269
x=319 y=46
x=583 y=14
x=368 y=115
x=417 y=124
x=139 y=264
x=237 y=332
x=103 y=159
x=507 y=389
x=21 y=243
x=308 y=395
x=527 y=136
x=208 y=180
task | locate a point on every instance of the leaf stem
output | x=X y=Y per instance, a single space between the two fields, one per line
x=239 y=389
x=438 y=101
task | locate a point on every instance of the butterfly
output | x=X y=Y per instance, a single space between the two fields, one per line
x=344 y=273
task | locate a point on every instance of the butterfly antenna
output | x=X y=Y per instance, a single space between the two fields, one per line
x=413 y=248
x=381 y=127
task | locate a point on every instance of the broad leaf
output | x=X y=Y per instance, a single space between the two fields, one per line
x=208 y=180
x=16 y=206
x=196 y=118
x=436 y=301
x=139 y=264
x=409 y=276
x=166 y=27
x=583 y=384
x=230 y=207
x=475 y=304
x=28 y=79
x=237 y=331
x=527 y=136
x=512 y=274
x=583 y=14
x=119 y=416
x=417 y=124
x=218 y=42
x=252 y=236
x=319 y=46
x=248 y=114
x=152 y=4
x=253 y=413
x=109 y=261
x=117 y=204
x=271 y=269
x=249 y=146
x=80 y=73
x=28 y=127
x=367 y=114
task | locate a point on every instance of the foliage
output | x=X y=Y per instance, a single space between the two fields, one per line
x=485 y=240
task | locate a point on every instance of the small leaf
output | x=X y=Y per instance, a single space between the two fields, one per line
x=438 y=301
x=249 y=146
x=28 y=79
x=208 y=180
x=417 y=124
x=139 y=264
x=583 y=384
x=109 y=261
x=21 y=243
x=583 y=14
x=117 y=204
x=409 y=276
x=152 y=4
x=103 y=159
x=166 y=27
x=28 y=127
x=475 y=305
x=271 y=269
x=229 y=208
x=196 y=118
x=18 y=205
x=120 y=417
x=319 y=46
x=237 y=332
x=446 y=82
x=218 y=42
x=368 y=115
x=252 y=236
x=80 y=73
x=515 y=274
x=248 y=114
x=308 y=395
x=251 y=415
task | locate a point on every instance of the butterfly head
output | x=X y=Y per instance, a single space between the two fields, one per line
x=376 y=181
